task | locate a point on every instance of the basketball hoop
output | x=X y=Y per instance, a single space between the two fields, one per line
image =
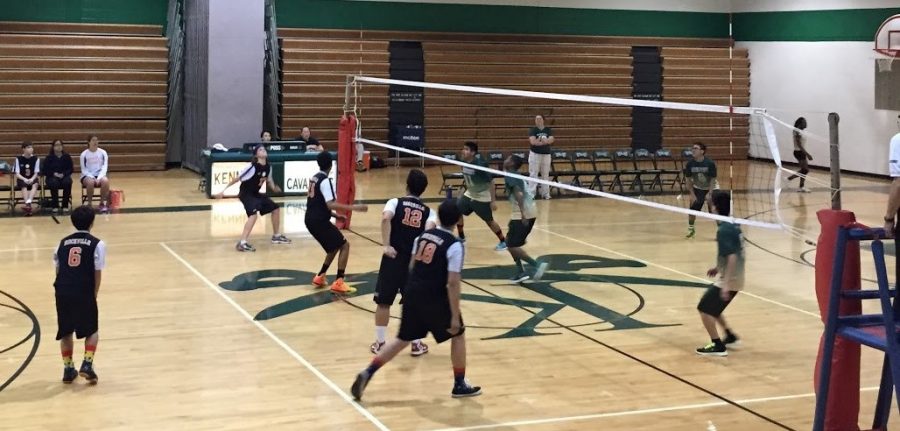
x=887 y=43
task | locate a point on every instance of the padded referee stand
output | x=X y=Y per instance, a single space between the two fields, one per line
x=847 y=328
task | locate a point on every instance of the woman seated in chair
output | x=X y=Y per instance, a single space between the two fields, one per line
x=27 y=169
x=57 y=169
x=94 y=164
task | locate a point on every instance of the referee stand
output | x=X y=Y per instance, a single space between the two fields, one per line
x=847 y=328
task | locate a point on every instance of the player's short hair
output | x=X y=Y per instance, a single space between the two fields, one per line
x=83 y=217
x=701 y=145
x=721 y=200
x=416 y=182
x=91 y=137
x=324 y=160
x=448 y=213
x=472 y=146
x=26 y=144
x=800 y=123
x=516 y=162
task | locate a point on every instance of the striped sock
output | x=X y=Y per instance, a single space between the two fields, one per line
x=67 y=359
x=89 y=353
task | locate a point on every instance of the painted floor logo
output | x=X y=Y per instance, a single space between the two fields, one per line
x=563 y=268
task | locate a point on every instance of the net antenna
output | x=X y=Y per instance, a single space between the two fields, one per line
x=887 y=43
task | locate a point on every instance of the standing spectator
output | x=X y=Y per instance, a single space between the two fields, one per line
x=801 y=154
x=894 y=198
x=58 y=171
x=541 y=138
x=311 y=143
x=27 y=169
x=94 y=165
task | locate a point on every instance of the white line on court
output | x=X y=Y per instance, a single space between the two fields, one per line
x=371 y=418
x=635 y=412
x=647 y=262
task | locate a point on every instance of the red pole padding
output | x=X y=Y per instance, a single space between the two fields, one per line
x=346 y=166
x=842 y=411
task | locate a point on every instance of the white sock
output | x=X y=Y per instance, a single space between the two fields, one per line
x=28 y=201
x=243 y=242
x=380 y=331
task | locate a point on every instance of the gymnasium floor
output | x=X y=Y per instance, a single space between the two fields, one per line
x=197 y=336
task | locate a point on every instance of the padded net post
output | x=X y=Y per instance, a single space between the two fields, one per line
x=346 y=166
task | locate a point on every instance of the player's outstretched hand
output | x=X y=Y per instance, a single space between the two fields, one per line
x=493 y=206
x=390 y=251
x=712 y=272
x=361 y=208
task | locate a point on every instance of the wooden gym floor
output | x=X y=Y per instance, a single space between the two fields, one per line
x=197 y=336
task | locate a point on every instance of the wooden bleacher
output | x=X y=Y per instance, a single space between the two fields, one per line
x=66 y=81
x=694 y=71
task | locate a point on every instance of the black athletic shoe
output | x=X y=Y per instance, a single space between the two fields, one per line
x=87 y=371
x=465 y=390
x=712 y=349
x=69 y=375
x=359 y=385
x=731 y=340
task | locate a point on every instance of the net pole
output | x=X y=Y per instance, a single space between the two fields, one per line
x=731 y=108
x=348 y=94
x=833 y=120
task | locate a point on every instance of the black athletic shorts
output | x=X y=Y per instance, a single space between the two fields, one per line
x=392 y=276
x=423 y=314
x=700 y=194
x=76 y=313
x=467 y=206
x=799 y=155
x=327 y=234
x=711 y=303
x=254 y=203
x=21 y=184
x=518 y=233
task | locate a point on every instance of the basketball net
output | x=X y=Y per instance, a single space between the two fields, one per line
x=885 y=59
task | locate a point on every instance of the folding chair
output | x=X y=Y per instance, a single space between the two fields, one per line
x=451 y=180
x=84 y=197
x=627 y=169
x=648 y=173
x=604 y=164
x=562 y=169
x=583 y=164
x=669 y=169
x=7 y=184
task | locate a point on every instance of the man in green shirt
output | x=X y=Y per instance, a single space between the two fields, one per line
x=480 y=196
x=700 y=176
x=539 y=162
x=730 y=269
x=521 y=220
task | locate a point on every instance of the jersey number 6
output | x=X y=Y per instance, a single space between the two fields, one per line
x=75 y=256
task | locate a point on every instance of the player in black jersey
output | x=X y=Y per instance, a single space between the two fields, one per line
x=252 y=178
x=320 y=202
x=431 y=303
x=402 y=221
x=79 y=260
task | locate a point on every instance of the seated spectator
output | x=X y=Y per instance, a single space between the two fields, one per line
x=312 y=144
x=265 y=136
x=58 y=171
x=27 y=169
x=94 y=165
